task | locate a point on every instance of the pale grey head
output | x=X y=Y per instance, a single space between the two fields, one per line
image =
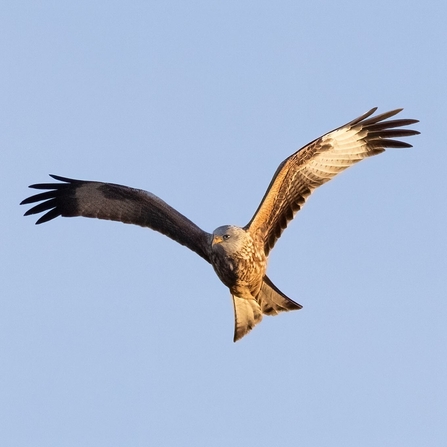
x=230 y=239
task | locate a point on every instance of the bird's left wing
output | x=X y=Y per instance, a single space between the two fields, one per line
x=116 y=202
x=320 y=161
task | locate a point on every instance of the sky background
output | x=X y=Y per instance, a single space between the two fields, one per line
x=114 y=335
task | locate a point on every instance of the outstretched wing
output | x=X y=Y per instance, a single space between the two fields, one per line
x=318 y=162
x=116 y=202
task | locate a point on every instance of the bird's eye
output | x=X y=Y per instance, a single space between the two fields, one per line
x=225 y=237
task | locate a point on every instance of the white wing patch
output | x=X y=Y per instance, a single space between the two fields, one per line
x=339 y=150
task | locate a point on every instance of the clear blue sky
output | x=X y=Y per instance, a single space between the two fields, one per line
x=199 y=102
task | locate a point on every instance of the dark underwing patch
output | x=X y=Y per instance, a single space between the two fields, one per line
x=117 y=192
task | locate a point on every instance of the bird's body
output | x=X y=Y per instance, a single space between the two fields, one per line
x=238 y=255
x=238 y=259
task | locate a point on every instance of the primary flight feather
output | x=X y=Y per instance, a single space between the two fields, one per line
x=238 y=255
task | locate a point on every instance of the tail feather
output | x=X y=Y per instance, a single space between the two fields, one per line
x=270 y=301
x=273 y=301
x=247 y=314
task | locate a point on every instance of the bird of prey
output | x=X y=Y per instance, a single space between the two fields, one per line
x=238 y=255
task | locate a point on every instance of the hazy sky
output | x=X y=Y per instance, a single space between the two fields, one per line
x=198 y=102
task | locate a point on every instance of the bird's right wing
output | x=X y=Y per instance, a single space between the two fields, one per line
x=116 y=202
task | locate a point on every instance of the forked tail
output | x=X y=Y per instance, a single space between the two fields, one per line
x=270 y=301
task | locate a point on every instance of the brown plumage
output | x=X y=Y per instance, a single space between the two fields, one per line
x=238 y=255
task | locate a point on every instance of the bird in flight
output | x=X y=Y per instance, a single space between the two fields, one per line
x=238 y=255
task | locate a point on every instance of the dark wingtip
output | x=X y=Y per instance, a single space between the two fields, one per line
x=48 y=199
x=362 y=117
x=52 y=214
x=62 y=179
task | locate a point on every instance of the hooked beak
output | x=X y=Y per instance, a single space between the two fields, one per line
x=216 y=240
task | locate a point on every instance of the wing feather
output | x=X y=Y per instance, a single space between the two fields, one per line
x=109 y=201
x=320 y=161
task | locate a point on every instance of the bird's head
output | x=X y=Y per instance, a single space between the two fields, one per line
x=229 y=238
